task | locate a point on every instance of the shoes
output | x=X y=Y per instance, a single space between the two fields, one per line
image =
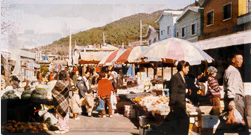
x=103 y=116
x=60 y=132
x=77 y=118
x=67 y=130
x=89 y=114
x=110 y=116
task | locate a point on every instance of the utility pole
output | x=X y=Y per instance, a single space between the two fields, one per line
x=104 y=38
x=69 y=62
x=141 y=26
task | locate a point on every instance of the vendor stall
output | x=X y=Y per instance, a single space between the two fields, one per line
x=28 y=111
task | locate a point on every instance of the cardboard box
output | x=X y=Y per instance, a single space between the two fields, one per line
x=209 y=121
x=129 y=111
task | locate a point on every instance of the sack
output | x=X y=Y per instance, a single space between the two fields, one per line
x=234 y=117
x=101 y=105
x=26 y=95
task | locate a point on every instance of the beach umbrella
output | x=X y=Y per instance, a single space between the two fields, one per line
x=176 y=49
x=130 y=55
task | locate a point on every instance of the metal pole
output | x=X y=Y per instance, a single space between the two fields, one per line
x=103 y=38
x=70 y=47
x=162 y=72
x=140 y=42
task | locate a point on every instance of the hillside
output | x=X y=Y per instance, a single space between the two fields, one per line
x=125 y=30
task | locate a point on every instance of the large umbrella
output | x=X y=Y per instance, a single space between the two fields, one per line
x=131 y=54
x=112 y=57
x=176 y=49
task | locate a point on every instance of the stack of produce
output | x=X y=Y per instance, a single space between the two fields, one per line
x=26 y=95
x=159 y=104
x=10 y=95
x=39 y=95
x=42 y=93
x=22 y=127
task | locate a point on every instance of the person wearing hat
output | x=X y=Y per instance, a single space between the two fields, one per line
x=214 y=89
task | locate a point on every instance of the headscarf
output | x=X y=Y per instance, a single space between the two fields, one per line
x=211 y=70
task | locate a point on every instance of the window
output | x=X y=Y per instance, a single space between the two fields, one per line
x=210 y=18
x=177 y=34
x=168 y=30
x=183 y=31
x=227 y=11
x=193 y=29
x=162 y=32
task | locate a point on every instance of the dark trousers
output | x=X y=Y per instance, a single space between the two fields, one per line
x=181 y=122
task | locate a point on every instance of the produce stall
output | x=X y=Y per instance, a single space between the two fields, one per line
x=152 y=109
x=28 y=111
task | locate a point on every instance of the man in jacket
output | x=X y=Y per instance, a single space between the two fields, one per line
x=84 y=86
x=234 y=96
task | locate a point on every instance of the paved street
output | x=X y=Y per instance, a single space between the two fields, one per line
x=117 y=125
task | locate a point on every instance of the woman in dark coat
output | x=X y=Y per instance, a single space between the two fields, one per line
x=178 y=100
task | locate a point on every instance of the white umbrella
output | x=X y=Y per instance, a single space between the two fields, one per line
x=176 y=49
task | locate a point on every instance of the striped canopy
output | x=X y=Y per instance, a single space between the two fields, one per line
x=112 y=57
x=130 y=55
x=176 y=49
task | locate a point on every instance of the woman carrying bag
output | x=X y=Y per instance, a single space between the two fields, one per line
x=104 y=92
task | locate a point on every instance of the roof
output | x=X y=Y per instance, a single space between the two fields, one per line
x=148 y=29
x=238 y=38
x=97 y=54
x=194 y=9
x=103 y=48
x=204 y=2
x=28 y=54
x=169 y=13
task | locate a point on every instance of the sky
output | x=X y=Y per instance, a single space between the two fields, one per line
x=40 y=22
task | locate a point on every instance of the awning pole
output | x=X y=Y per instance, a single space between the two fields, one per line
x=172 y=68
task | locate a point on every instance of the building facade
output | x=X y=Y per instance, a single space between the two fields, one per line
x=220 y=17
x=189 y=25
x=167 y=21
x=152 y=35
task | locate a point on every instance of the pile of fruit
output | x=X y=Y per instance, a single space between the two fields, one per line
x=21 y=127
x=159 y=104
x=137 y=99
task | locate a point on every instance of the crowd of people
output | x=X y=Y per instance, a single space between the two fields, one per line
x=82 y=100
x=73 y=93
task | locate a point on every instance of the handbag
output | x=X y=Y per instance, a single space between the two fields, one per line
x=101 y=105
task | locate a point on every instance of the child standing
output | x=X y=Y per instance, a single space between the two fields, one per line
x=76 y=103
x=89 y=97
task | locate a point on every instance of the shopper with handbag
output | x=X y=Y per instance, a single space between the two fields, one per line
x=104 y=92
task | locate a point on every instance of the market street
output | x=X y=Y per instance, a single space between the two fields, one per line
x=117 y=125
